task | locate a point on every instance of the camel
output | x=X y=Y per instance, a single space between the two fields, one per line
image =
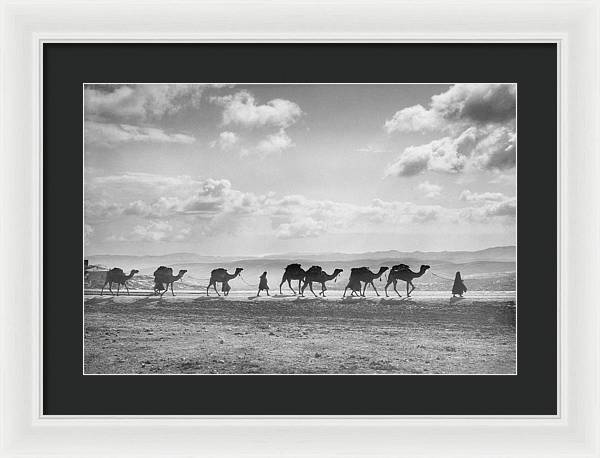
x=316 y=274
x=363 y=274
x=116 y=275
x=403 y=272
x=292 y=272
x=165 y=275
x=221 y=275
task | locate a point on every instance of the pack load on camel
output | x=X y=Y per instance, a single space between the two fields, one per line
x=399 y=267
x=293 y=272
x=364 y=275
x=314 y=271
x=318 y=275
x=163 y=277
x=160 y=276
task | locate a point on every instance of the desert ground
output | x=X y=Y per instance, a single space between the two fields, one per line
x=194 y=334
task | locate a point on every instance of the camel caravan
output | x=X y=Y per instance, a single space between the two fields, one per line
x=360 y=279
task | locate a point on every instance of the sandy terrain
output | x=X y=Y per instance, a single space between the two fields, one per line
x=198 y=335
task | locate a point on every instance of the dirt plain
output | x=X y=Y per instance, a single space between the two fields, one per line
x=287 y=335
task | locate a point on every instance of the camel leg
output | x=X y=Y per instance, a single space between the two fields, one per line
x=344 y=295
x=323 y=289
x=258 y=294
x=110 y=288
x=103 y=287
x=412 y=287
x=215 y=287
x=311 y=289
x=400 y=295
x=301 y=290
x=373 y=285
x=300 y=281
x=282 y=282
x=364 y=289
x=290 y=285
x=207 y=289
x=127 y=288
x=172 y=289
x=388 y=284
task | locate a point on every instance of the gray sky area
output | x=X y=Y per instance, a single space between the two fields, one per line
x=258 y=169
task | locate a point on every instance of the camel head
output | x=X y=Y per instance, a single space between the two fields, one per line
x=181 y=272
x=424 y=267
x=381 y=271
x=132 y=273
x=337 y=271
x=238 y=270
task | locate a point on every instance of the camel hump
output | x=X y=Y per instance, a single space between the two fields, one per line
x=220 y=270
x=400 y=267
x=359 y=269
x=162 y=270
x=293 y=267
x=116 y=270
x=314 y=270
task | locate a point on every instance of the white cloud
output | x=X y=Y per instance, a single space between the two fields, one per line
x=491 y=148
x=469 y=196
x=140 y=102
x=460 y=106
x=411 y=119
x=488 y=205
x=109 y=134
x=479 y=120
x=300 y=228
x=213 y=206
x=273 y=144
x=155 y=231
x=504 y=179
x=97 y=209
x=241 y=109
x=144 y=180
x=430 y=190
x=225 y=141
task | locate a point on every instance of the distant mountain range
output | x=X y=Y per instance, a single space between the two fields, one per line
x=496 y=259
x=503 y=253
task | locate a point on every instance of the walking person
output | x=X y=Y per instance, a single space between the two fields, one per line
x=262 y=284
x=458 y=287
x=225 y=288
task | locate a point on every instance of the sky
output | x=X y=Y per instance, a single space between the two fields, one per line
x=235 y=170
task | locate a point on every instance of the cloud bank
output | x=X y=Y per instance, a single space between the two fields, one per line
x=478 y=121
x=206 y=207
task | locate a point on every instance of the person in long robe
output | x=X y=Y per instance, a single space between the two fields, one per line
x=225 y=288
x=262 y=284
x=458 y=287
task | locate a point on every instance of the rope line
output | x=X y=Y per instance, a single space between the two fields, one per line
x=439 y=276
x=247 y=284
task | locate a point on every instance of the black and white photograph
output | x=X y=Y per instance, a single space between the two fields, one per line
x=300 y=229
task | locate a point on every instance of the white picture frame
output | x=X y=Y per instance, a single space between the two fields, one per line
x=573 y=25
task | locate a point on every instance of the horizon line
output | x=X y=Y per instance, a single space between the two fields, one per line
x=307 y=253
